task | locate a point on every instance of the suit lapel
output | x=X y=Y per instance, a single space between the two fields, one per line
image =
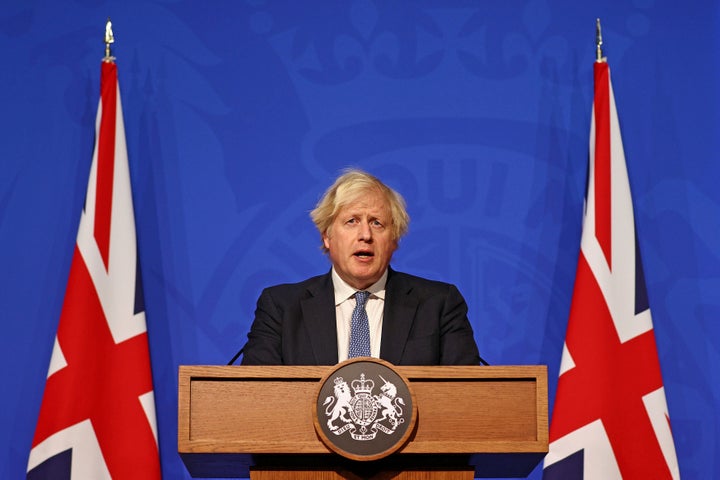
x=318 y=310
x=398 y=317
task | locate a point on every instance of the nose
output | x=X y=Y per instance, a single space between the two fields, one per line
x=365 y=232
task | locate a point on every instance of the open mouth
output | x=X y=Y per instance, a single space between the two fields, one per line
x=363 y=254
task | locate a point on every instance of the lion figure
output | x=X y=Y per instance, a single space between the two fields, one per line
x=339 y=405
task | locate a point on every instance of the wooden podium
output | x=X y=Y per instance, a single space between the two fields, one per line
x=240 y=421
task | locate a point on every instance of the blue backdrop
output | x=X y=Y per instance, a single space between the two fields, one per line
x=240 y=113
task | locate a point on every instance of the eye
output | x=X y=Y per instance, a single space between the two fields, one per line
x=377 y=223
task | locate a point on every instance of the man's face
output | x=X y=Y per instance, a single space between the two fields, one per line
x=360 y=240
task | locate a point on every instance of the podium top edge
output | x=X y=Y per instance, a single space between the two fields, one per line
x=317 y=372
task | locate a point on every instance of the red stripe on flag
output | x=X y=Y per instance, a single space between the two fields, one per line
x=106 y=159
x=603 y=229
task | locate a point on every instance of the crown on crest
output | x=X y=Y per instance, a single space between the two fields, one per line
x=362 y=385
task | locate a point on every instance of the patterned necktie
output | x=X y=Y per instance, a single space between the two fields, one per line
x=359 y=328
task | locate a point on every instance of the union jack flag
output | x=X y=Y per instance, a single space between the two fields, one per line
x=610 y=419
x=97 y=418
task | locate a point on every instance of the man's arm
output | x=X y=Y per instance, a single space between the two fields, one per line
x=457 y=342
x=264 y=345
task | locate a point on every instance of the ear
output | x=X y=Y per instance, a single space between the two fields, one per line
x=326 y=240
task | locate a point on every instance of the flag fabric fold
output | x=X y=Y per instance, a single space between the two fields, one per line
x=97 y=417
x=610 y=419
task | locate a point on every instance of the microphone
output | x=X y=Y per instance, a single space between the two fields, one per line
x=236 y=356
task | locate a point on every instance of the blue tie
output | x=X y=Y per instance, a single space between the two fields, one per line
x=359 y=328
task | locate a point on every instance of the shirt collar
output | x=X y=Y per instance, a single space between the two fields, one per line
x=343 y=291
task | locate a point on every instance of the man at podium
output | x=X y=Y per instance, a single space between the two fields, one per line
x=361 y=307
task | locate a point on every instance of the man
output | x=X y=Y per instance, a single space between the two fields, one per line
x=410 y=320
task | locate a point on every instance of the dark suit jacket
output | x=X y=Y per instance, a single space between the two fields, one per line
x=424 y=323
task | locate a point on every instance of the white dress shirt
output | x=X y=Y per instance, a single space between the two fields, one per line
x=344 y=306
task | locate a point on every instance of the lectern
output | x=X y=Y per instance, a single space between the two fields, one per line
x=240 y=421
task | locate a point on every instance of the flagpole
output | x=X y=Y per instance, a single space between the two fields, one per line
x=599 y=57
x=109 y=39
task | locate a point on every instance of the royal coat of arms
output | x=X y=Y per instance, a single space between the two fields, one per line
x=364 y=409
x=356 y=410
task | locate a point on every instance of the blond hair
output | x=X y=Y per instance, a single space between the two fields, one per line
x=349 y=187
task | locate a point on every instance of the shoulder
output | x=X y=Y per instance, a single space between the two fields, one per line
x=308 y=286
x=401 y=281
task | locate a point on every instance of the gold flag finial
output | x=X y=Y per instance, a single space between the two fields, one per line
x=109 y=39
x=599 y=57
